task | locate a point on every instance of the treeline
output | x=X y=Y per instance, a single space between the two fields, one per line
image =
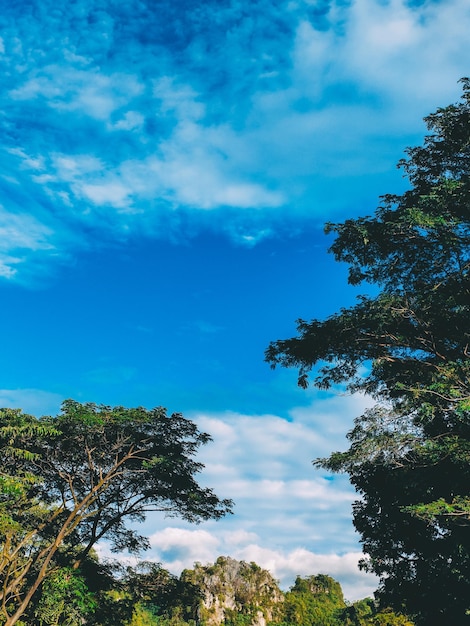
x=226 y=593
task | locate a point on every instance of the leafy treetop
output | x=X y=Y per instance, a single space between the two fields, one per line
x=416 y=249
x=80 y=477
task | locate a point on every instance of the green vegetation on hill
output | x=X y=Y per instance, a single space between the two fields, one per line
x=225 y=593
x=235 y=593
x=313 y=600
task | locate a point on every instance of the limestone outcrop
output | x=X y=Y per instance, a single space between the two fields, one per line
x=235 y=592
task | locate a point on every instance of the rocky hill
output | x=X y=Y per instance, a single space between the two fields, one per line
x=235 y=593
x=231 y=589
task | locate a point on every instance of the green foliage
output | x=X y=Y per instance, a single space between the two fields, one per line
x=365 y=613
x=388 y=618
x=170 y=598
x=106 y=594
x=314 y=601
x=65 y=600
x=235 y=593
x=409 y=457
x=318 y=601
x=358 y=613
x=237 y=618
x=143 y=616
x=71 y=480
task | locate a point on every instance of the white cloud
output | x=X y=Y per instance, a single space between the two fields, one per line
x=331 y=112
x=300 y=562
x=22 y=231
x=8 y=265
x=274 y=446
x=71 y=167
x=288 y=516
x=21 y=235
x=111 y=192
x=178 y=549
x=85 y=91
x=390 y=58
x=177 y=98
x=131 y=120
x=34 y=401
x=197 y=177
x=398 y=48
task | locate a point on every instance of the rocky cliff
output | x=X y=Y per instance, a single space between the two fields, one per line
x=235 y=593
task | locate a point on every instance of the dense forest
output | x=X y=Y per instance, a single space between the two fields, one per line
x=226 y=593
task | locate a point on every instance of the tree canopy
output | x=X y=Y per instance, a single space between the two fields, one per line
x=408 y=345
x=68 y=481
x=237 y=593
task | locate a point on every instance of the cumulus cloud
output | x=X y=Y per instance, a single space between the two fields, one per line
x=288 y=517
x=264 y=464
x=178 y=549
x=286 y=566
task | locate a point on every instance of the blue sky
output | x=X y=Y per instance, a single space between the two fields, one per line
x=166 y=170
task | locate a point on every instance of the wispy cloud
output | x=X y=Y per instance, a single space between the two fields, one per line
x=21 y=236
x=125 y=118
x=34 y=401
x=114 y=375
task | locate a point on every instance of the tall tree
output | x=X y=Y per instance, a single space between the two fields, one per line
x=95 y=469
x=409 y=457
